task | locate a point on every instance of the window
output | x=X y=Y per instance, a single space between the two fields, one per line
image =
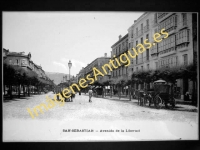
x=17 y=62
x=184 y=16
x=132 y=61
x=141 y=68
x=132 y=33
x=147 y=54
x=137 y=69
x=119 y=73
x=185 y=59
x=168 y=23
x=147 y=66
x=136 y=44
x=136 y=59
x=147 y=22
x=141 y=57
x=155 y=18
x=155 y=30
x=10 y=62
x=142 y=28
x=141 y=40
x=182 y=36
x=176 y=60
x=129 y=45
x=147 y=36
x=187 y=35
x=136 y=31
x=156 y=65
x=132 y=69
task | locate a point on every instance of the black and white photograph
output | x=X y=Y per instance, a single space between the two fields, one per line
x=87 y=76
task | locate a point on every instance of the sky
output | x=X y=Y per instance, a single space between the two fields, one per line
x=54 y=38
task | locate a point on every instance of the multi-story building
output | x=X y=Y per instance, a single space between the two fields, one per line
x=80 y=74
x=121 y=46
x=24 y=61
x=97 y=63
x=177 y=49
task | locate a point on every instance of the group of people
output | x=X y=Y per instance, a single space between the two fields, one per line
x=58 y=90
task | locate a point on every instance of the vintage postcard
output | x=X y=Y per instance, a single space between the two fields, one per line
x=99 y=76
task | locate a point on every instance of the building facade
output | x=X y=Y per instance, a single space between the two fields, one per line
x=121 y=46
x=97 y=63
x=176 y=50
x=24 y=61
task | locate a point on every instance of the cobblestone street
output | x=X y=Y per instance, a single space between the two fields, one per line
x=101 y=114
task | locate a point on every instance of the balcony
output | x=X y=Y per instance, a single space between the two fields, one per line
x=161 y=15
x=182 y=47
x=167 y=52
x=171 y=30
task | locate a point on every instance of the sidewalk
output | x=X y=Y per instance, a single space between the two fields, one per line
x=181 y=105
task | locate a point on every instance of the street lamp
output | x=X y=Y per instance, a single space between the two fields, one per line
x=69 y=65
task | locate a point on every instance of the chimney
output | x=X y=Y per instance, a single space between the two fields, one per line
x=120 y=37
x=105 y=55
x=135 y=21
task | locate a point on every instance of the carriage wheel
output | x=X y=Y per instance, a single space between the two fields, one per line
x=157 y=102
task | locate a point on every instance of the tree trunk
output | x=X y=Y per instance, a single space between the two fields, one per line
x=132 y=87
x=19 y=91
x=24 y=90
x=130 y=91
x=11 y=96
x=28 y=90
x=4 y=88
x=102 y=91
x=194 y=98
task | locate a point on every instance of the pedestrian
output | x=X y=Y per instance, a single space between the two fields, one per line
x=187 y=96
x=90 y=94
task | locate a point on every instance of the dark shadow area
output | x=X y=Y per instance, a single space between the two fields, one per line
x=177 y=108
x=10 y=100
x=16 y=98
x=118 y=100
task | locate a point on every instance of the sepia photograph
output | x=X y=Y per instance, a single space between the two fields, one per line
x=87 y=76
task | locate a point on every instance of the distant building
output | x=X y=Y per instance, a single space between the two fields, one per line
x=97 y=63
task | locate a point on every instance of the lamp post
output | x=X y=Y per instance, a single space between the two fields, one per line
x=69 y=65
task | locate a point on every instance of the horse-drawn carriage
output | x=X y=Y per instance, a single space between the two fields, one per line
x=159 y=96
x=58 y=90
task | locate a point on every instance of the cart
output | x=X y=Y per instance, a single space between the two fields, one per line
x=159 y=96
x=162 y=95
